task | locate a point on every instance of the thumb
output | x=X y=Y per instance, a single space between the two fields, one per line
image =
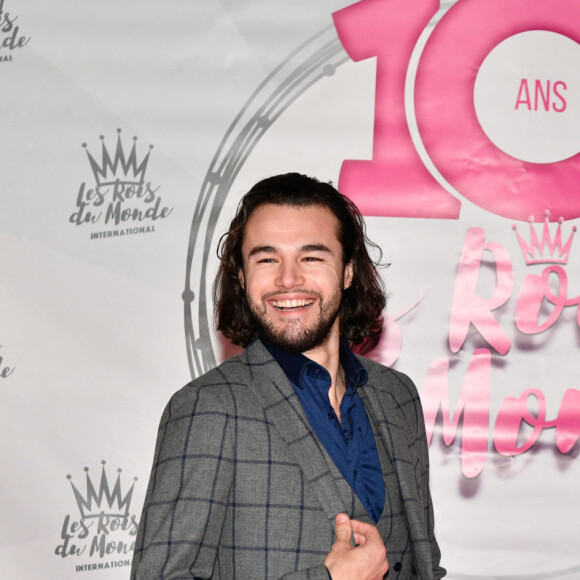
x=343 y=528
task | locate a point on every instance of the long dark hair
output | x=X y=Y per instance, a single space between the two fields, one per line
x=362 y=303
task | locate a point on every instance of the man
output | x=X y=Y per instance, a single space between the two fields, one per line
x=296 y=459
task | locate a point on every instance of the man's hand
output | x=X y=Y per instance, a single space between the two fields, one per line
x=365 y=561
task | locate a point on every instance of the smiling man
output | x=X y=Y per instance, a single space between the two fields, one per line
x=294 y=279
x=296 y=459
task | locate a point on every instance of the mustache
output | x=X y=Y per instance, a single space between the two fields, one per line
x=275 y=293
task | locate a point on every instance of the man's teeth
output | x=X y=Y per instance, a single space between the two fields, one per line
x=296 y=303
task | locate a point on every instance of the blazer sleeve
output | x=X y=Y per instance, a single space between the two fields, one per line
x=190 y=483
x=189 y=491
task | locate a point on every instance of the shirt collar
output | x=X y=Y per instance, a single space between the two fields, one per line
x=295 y=365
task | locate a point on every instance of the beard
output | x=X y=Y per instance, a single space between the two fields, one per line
x=293 y=336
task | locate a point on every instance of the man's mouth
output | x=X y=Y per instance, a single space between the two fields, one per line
x=289 y=305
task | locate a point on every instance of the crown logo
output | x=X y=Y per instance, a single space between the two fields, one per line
x=545 y=249
x=119 y=167
x=104 y=500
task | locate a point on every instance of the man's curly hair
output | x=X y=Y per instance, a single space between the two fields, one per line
x=362 y=303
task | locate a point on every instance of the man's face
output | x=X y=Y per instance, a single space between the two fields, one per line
x=293 y=274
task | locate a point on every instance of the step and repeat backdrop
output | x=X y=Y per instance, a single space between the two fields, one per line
x=129 y=131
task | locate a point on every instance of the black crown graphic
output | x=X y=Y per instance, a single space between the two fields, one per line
x=119 y=167
x=104 y=500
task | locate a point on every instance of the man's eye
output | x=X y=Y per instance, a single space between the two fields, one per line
x=266 y=261
x=312 y=259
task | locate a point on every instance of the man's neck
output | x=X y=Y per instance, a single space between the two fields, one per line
x=327 y=355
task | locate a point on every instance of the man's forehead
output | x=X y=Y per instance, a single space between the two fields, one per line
x=273 y=229
x=271 y=214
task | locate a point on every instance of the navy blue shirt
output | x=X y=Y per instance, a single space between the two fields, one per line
x=350 y=442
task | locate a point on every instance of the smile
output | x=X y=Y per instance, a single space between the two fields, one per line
x=285 y=305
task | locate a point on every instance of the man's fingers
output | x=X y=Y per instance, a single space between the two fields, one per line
x=359 y=539
x=343 y=528
x=366 y=561
x=362 y=532
x=367 y=531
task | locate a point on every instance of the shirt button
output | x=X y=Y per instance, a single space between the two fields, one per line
x=330 y=416
x=397 y=567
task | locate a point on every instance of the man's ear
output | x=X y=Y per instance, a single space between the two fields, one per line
x=348 y=274
x=241 y=278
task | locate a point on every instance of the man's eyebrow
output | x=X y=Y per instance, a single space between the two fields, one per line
x=315 y=248
x=262 y=250
x=303 y=249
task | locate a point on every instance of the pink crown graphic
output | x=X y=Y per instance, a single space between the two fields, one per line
x=545 y=249
x=120 y=166
x=104 y=500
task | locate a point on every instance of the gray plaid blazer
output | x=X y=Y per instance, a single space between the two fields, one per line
x=242 y=489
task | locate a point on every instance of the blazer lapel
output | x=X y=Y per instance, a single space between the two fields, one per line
x=284 y=410
x=388 y=421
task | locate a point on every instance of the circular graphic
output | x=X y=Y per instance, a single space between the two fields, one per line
x=525 y=96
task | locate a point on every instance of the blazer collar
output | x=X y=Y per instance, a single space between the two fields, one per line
x=295 y=365
x=387 y=420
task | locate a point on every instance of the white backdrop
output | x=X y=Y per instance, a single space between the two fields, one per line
x=129 y=132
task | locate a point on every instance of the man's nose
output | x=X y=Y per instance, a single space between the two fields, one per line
x=289 y=275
